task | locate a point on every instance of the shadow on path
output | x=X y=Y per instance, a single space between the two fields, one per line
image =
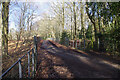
x=55 y=62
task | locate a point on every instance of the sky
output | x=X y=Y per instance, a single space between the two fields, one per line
x=43 y=7
x=64 y=0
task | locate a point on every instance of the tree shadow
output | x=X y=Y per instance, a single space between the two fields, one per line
x=80 y=65
x=45 y=68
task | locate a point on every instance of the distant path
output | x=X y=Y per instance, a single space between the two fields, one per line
x=56 y=62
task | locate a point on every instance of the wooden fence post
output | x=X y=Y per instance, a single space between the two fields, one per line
x=79 y=44
x=33 y=64
x=35 y=51
x=28 y=64
x=84 y=44
x=20 y=69
x=76 y=44
x=98 y=43
x=73 y=43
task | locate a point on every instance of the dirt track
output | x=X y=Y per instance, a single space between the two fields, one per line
x=57 y=62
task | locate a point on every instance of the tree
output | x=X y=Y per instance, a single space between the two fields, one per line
x=91 y=15
x=5 y=17
x=75 y=37
x=72 y=34
x=64 y=38
x=94 y=10
x=89 y=32
x=82 y=22
x=1 y=29
x=24 y=21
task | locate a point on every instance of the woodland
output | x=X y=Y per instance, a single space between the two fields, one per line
x=95 y=25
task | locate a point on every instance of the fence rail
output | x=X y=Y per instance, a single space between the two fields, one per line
x=34 y=62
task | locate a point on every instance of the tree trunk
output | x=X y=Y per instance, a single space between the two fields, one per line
x=1 y=33
x=71 y=26
x=94 y=24
x=75 y=22
x=5 y=16
x=99 y=38
x=96 y=38
x=63 y=17
x=82 y=23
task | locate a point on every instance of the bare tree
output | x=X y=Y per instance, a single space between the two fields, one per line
x=24 y=21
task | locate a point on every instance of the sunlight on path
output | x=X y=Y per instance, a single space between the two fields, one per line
x=58 y=62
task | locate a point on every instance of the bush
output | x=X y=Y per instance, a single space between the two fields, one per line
x=64 y=38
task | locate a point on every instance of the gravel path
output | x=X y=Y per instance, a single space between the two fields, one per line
x=56 y=62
